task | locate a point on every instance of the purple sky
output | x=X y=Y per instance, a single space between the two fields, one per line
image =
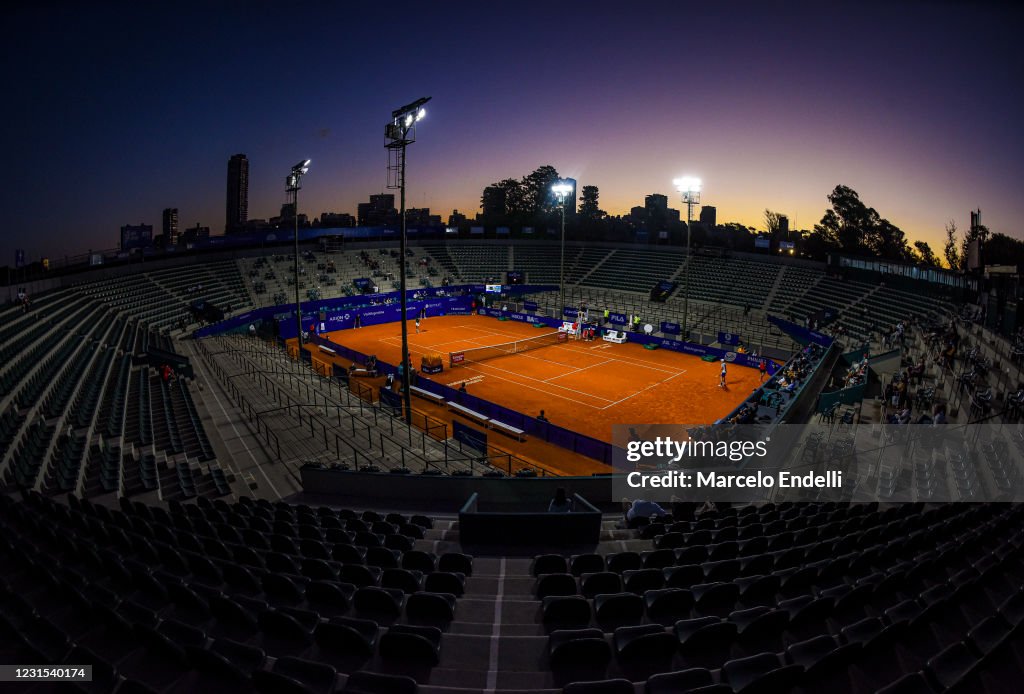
x=115 y=113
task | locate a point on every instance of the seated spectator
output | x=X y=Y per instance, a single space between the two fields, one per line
x=707 y=508
x=560 y=503
x=640 y=508
x=541 y=417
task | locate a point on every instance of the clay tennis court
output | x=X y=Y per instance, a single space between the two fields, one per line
x=583 y=386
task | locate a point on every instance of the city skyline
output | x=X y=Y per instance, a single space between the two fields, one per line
x=772 y=108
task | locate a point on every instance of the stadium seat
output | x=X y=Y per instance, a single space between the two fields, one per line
x=679 y=681
x=565 y=611
x=615 y=686
x=556 y=584
x=760 y=673
x=362 y=682
x=668 y=605
x=618 y=609
x=418 y=646
x=578 y=653
x=592 y=584
x=644 y=650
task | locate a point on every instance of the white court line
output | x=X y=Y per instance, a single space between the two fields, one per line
x=542 y=390
x=573 y=373
x=653 y=385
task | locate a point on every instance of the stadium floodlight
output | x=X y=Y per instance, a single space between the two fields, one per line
x=399 y=133
x=292 y=185
x=690 y=187
x=561 y=189
x=688 y=184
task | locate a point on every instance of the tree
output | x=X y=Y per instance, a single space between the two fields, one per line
x=771 y=221
x=853 y=227
x=589 y=209
x=1005 y=249
x=538 y=198
x=925 y=254
x=950 y=250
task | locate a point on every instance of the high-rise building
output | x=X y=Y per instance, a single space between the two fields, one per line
x=378 y=212
x=456 y=218
x=708 y=215
x=337 y=219
x=238 y=194
x=656 y=208
x=170 y=226
x=783 y=224
x=136 y=236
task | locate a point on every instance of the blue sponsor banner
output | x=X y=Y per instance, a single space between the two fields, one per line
x=617 y=318
x=529 y=305
x=670 y=328
x=799 y=333
x=570 y=312
x=362 y=282
x=728 y=338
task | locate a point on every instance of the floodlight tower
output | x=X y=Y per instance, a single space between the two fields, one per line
x=561 y=189
x=399 y=133
x=292 y=186
x=690 y=187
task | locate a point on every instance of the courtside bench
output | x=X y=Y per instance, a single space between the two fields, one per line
x=615 y=336
x=427 y=395
x=465 y=411
x=507 y=429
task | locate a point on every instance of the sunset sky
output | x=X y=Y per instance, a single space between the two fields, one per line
x=114 y=111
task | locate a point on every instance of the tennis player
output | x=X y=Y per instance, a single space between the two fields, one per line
x=417 y=325
x=721 y=376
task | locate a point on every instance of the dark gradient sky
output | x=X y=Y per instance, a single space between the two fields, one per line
x=115 y=111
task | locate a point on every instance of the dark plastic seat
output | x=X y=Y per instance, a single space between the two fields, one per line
x=283 y=633
x=680 y=681
x=556 y=584
x=344 y=641
x=600 y=582
x=642 y=580
x=385 y=558
x=282 y=590
x=579 y=650
x=565 y=611
x=683 y=576
x=445 y=582
x=419 y=561
x=668 y=605
x=760 y=673
x=623 y=561
x=694 y=554
x=363 y=682
x=359 y=574
x=821 y=657
x=330 y=597
x=705 y=641
x=456 y=562
x=412 y=645
x=715 y=598
x=913 y=683
x=549 y=564
x=951 y=665
x=586 y=564
x=318 y=678
x=402 y=579
x=644 y=650
x=378 y=602
x=430 y=608
x=658 y=558
x=618 y=609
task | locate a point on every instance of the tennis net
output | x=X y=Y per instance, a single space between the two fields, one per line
x=478 y=354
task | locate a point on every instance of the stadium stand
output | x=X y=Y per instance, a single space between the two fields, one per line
x=136 y=535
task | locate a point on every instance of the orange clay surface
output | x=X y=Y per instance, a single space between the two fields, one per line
x=583 y=386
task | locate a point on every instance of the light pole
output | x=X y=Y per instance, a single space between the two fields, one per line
x=689 y=186
x=561 y=189
x=292 y=185
x=399 y=133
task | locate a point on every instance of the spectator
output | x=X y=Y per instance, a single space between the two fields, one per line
x=541 y=417
x=462 y=387
x=560 y=503
x=708 y=507
x=641 y=508
x=252 y=330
